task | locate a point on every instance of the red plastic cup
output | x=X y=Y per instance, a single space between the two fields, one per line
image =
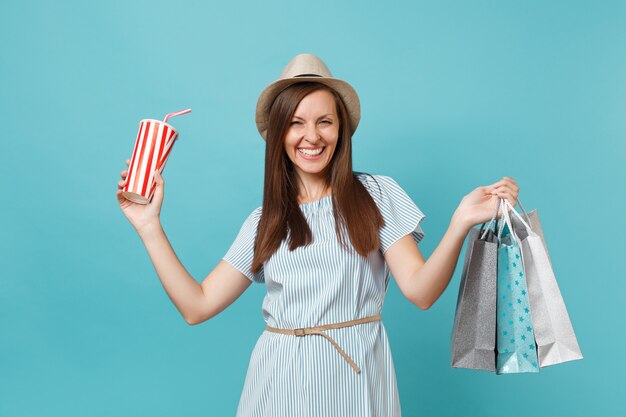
x=152 y=148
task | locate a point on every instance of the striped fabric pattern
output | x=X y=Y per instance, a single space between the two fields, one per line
x=319 y=284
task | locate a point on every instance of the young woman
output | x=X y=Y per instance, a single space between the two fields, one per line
x=324 y=243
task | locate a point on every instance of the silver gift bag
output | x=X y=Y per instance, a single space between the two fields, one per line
x=554 y=334
x=473 y=337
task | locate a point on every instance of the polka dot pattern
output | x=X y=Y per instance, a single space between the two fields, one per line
x=515 y=339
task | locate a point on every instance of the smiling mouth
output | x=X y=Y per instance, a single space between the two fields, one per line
x=311 y=152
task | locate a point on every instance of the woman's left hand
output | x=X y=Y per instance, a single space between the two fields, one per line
x=478 y=206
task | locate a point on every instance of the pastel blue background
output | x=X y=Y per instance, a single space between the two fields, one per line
x=454 y=95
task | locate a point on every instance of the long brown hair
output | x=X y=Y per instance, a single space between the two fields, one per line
x=354 y=209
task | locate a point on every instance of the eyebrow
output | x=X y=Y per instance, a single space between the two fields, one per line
x=321 y=117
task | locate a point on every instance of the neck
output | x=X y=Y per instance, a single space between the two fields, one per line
x=311 y=187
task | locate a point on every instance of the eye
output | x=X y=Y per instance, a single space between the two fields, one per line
x=295 y=122
x=326 y=121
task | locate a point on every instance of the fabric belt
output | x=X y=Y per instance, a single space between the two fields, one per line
x=319 y=330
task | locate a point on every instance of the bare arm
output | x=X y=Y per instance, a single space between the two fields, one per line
x=422 y=282
x=195 y=302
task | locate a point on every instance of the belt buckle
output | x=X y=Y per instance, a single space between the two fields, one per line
x=299 y=332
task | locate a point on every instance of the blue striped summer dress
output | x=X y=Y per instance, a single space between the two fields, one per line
x=316 y=285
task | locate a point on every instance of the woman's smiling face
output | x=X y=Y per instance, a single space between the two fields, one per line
x=313 y=133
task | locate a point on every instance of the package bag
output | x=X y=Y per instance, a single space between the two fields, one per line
x=515 y=338
x=474 y=331
x=554 y=334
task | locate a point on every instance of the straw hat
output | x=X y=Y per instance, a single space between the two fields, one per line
x=306 y=67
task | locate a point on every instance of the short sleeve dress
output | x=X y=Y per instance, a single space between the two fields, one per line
x=316 y=285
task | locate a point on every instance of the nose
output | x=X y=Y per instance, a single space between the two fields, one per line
x=310 y=133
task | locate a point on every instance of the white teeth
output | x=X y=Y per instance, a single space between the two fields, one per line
x=311 y=152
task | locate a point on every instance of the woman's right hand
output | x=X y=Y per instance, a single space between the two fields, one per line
x=141 y=215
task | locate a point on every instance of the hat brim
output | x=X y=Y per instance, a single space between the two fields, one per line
x=346 y=92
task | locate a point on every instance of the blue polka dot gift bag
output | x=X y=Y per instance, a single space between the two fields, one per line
x=515 y=338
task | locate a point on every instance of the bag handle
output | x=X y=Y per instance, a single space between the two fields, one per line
x=527 y=225
x=491 y=221
x=519 y=203
x=508 y=222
